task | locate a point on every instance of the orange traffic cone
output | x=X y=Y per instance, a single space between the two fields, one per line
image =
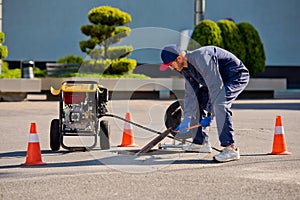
x=279 y=145
x=33 y=156
x=128 y=140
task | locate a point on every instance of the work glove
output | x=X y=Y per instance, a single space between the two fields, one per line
x=206 y=122
x=184 y=125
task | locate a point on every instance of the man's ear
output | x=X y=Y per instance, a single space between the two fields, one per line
x=179 y=58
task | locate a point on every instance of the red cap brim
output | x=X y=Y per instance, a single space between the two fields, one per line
x=163 y=66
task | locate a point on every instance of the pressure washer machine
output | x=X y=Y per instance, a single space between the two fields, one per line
x=81 y=106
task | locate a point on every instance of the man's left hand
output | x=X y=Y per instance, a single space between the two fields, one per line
x=184 y=125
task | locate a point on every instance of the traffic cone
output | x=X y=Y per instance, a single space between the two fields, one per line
x=128 y=139
x=33 y=156
x=279 y=145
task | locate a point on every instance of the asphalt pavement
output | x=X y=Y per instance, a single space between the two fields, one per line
x=161 y=174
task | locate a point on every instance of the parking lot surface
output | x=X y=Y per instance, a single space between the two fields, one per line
x=169 y=174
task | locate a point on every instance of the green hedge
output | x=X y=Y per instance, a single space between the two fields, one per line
x=241 y=39
x=9 y=73
x=207 y=32
x=256 y=58
x=232 y=38
x=16 y=73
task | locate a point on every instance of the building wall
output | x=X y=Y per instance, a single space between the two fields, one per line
x=45 y=30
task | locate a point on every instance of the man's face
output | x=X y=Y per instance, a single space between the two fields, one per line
x=178 y=64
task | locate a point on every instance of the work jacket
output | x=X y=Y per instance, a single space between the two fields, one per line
x=210 y=67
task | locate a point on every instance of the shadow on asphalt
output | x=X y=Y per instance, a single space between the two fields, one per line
x=23 y=153
x=254 y=155
x=110 y=160
x=116 y=160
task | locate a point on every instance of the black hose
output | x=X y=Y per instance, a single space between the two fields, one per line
x=148 y=129
x=140 y=126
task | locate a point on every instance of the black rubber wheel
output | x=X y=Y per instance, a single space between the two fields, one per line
x=174 y=114
x=54 y=135
x=104 y=134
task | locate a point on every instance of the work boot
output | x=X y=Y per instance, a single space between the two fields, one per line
x=201 y=148
x=227 y=154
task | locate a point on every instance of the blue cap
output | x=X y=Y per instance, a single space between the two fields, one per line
x=168 y=55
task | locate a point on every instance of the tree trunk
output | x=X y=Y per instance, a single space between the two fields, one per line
x=106 y=45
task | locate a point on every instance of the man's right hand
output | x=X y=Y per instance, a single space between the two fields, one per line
x=206 y=121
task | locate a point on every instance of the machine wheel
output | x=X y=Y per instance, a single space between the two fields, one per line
x=54 y=135
x=104 y=134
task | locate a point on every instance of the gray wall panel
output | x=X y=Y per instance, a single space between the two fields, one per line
x=45 y=30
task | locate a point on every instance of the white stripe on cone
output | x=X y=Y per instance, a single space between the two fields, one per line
x=33 y=138
x=127 y=126
x=279 y=130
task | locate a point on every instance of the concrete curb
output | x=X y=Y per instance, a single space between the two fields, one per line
x=164 y=86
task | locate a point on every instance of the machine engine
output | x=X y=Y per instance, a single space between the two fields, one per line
x=82 y=109
x=79 y=117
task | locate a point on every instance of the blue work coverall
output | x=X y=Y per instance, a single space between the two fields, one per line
x=225 y=77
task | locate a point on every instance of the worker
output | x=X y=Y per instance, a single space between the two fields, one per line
x=224 y=75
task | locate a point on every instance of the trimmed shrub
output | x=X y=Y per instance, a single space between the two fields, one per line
x=70 y=59
x=121 y=66
x=3 y=52
x=207 y=32
x=112 y=53
x=2 y=37
x=232 y=39
x=3 y=49
x=107 y=28
x=97 y=53
x=68 y=70
x=256 y=58
x=94 y=66
x=87 y=45
x=109 y=16
x=39 y=72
